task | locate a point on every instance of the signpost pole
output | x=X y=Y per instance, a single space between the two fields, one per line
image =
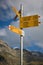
x=21 y=39
x=24 y=25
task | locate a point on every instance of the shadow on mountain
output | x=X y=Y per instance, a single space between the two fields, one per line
x=9 y=56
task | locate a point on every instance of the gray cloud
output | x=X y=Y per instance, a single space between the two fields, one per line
x=31 y=34
x=30 y=5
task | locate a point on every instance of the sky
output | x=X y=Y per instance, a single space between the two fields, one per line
x=33 y=39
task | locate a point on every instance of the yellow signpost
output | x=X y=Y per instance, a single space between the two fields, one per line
x=25 y=22
x=16 y=11
x=16 y=30
x=29 y=21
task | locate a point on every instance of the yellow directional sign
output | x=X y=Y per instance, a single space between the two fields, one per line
x=16 y=11
x=29 y=21
x=16 y=30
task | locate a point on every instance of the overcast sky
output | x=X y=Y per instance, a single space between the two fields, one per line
x=33 y=39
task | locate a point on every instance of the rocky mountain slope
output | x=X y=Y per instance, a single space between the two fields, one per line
x=31 y=57
x=9 y=56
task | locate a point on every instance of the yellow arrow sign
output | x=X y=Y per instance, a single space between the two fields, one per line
x=16 y=30
x=29 y=21
x=16 y=11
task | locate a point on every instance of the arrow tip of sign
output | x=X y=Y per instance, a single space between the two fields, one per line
x=9 y=27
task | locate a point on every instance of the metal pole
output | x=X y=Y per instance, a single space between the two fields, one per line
x=21 y=39
x=21 y=51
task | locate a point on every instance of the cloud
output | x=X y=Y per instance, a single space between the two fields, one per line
x=36 y=33
x=30 y=5
x=6 y=12
x=39 y=44
x=3 y=32
x=4 y=6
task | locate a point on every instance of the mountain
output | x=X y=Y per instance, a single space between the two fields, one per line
x=37 y=53
x=31 y=57
x=10 y=56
